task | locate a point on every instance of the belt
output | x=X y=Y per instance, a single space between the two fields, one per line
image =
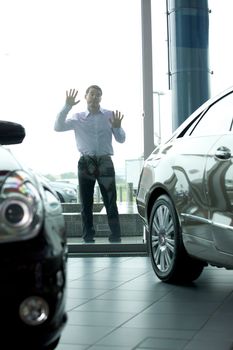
x=95 y=156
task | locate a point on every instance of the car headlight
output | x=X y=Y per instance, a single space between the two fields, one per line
x=70 y=191
x=21 y=209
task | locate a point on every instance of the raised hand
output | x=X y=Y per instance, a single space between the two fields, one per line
x=71 y=97
x=116 y=119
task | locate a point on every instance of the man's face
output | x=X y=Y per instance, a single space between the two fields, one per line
x=93 y=98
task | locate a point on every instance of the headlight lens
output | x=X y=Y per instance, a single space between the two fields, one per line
x=16 y=213
x=70 y=191
x=21 y=210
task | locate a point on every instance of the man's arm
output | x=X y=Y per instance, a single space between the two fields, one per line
x=117 y=130
x=60 y=123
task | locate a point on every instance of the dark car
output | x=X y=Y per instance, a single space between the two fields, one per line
x=33 y=254
x=185 y=194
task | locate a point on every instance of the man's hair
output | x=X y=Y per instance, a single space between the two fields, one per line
x=94 y=87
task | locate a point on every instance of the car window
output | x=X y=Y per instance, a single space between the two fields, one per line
x=217 y=119
x=188 y=130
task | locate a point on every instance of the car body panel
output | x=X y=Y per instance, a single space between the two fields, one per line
x=219 y=179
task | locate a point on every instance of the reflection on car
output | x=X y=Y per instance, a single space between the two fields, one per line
x=66 y=191
x=185 y=194
x=33 y=254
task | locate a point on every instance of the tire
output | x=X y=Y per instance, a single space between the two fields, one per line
x=169 y=259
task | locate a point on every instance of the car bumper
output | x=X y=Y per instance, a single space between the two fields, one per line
x=24 y=274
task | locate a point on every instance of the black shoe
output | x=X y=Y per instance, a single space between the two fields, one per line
x=114 y=239
x=89 y=240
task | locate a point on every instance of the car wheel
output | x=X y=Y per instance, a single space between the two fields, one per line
x=169 y=258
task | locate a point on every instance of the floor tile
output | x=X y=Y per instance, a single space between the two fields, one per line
x=117 y=303
x=162 y=343
x=74 y=302
x=179 y=307
x=220 y=344
x=75 y=334
x=85 y=293
x=115 y=306
x=62 y=346
x=133 y=337
x=168 y=321
x=135 y=295
x=90 y=318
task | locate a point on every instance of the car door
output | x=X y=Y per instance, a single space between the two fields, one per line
x=196 y=156
x=219 y=175
x=190 y=190
x=219 y=187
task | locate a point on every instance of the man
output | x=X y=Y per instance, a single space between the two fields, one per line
x=93 y=133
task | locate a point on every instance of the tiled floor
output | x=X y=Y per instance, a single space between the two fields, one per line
x=117 y=303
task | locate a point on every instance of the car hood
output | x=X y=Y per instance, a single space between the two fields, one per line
x=8 y=163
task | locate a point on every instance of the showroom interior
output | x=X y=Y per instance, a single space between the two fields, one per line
x=157 y=61
x=114 y=301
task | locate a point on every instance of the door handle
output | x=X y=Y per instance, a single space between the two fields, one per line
x=223 y=153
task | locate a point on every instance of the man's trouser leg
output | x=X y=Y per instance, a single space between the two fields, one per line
x=107 y=184
x=86 y=191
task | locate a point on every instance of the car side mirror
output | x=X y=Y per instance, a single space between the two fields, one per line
x=11 y=133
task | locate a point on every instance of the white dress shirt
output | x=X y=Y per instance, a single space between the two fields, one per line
x=93 y=131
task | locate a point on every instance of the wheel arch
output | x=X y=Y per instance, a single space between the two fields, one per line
x=154 y=195
x=61 y=198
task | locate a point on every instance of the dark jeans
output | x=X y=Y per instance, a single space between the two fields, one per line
x=100 y=169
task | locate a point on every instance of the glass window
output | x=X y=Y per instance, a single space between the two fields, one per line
x=217 y=119
x=48 y=47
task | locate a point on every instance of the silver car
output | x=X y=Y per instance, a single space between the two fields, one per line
x=185 y=194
